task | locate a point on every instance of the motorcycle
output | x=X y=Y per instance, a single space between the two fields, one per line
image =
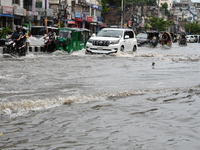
x=15 y=48
x=49 y=45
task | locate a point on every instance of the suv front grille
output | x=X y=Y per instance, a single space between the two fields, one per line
x=100 y=43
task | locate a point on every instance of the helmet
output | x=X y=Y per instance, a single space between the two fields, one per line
x=18 y=27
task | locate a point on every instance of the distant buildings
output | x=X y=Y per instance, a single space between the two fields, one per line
x=180 y=13
x=88 y=13
x=68 y=13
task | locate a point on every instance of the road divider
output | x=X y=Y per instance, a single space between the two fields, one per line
x=35 y=49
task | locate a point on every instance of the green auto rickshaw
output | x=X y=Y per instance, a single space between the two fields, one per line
x=72 y=39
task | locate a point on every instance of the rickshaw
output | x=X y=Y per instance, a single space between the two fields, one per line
x=182 y=39
x=152 y=38
x=72 y=39
x=166 y=40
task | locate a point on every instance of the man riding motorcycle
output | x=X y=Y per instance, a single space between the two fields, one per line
x=51 y=41
x=16 y=36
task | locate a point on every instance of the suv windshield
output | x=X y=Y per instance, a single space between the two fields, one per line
x=38 y=30
x=141 y=35
x=110 y=33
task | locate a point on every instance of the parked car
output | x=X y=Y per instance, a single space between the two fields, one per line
x=141 y=38
x=196 y=38
x=190 y=38
x=112 y=40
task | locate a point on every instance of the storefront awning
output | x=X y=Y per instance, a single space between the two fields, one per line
x=5 y=15
x=78 y=19
x=71 y=22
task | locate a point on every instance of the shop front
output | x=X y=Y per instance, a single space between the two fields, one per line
x=71 y=23
x=92 y=24
x=78 y=20
x=6 y=17
x=33 y=18
x=18 y=15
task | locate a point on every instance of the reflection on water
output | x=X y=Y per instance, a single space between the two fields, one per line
x=120 y=101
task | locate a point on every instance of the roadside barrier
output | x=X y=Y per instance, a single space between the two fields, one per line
x=35 y=49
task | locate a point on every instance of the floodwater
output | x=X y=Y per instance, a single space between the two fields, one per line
x=102 y=102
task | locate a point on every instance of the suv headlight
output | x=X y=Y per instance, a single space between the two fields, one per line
x=114 y=42
x=90 y=41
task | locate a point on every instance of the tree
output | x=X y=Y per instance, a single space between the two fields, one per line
x=4 y=32
x=164 y=7
x=159 y=24
x=192 y=27
x=146 y=26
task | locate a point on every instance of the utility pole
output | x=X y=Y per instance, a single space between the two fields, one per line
x=122 y=9
x=59 y=14
x=65 y=11
x=45 y=19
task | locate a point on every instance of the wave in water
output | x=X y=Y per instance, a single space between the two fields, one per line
x=19 y=108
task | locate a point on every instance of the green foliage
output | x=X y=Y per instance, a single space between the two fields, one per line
x=192 y=27
x=164 y=7
x=105 y=4
x=142 y=2
x=146 y=26
x=4 y=32
x=159 y=24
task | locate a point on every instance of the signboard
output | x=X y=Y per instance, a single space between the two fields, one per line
x=50 y=12
x=77 y=14
x=24 y=12
x=18 y=11
x=38 y=4
x=99 y=19
x=7 y=10
x=84 y=17
x=69 y=17
x=191 y=13
x=89 y=18
x=94 y=18
x=31 y=13
x=94 y=6
x=69 y=9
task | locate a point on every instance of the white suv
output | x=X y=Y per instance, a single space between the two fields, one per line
x=112 y=40
x=191 y=38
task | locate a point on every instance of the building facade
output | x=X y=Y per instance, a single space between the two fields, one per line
x=11 y=13
x=77 y=13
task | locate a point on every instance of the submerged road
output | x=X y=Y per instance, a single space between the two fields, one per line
x=144 y=100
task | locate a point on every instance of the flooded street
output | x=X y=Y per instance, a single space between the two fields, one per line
x=102 y=102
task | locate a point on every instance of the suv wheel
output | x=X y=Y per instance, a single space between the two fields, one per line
x=122 y=49
x=134 y=48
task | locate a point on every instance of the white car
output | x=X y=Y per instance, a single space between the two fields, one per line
x=191 y=38
x=37 y=34
x=112 y=40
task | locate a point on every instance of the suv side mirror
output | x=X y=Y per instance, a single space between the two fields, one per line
x=126 y=36
x=93 y=35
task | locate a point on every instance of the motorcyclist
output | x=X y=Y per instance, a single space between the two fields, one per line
x=52 y=36
x=17 y=35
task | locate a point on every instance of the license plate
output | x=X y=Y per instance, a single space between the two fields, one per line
x=100 y=48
